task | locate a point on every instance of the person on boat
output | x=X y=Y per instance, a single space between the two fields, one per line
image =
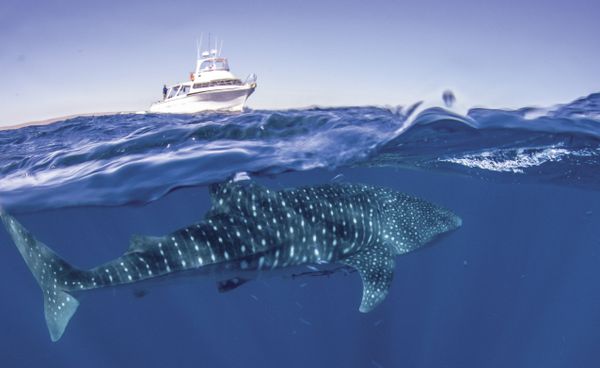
x=164 y=91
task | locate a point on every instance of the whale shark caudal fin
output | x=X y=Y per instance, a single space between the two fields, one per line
x=376 y=268
x=52 y=274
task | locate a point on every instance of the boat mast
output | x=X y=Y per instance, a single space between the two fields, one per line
x=198 y=46
x=198 y=54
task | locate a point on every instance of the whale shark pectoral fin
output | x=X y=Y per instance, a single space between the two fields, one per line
x=376 y=268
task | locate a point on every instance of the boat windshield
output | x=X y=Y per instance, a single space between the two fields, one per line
x=183 y=91
x=214 y=64
x=173 y=91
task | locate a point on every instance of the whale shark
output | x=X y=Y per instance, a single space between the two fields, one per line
x=251 y=230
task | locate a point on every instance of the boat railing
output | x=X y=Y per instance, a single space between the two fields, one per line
x=251 y=78
x=220 y=82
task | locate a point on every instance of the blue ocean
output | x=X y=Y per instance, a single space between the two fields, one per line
x=515 y=286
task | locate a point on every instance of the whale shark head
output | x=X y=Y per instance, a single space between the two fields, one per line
x=412 y=222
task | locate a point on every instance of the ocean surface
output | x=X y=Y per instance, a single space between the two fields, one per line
x=516 y=286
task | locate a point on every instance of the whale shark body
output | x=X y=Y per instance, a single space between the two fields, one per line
x=250 y=230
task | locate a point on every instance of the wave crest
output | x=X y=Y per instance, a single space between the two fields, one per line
x=136 y=158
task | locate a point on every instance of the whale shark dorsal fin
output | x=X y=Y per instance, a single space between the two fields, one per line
x=376 y=267
x=221 y=194
x=217 y=192
x=234 y=194
x=138 y=243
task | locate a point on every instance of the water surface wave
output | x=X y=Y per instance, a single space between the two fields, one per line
x=137 y=158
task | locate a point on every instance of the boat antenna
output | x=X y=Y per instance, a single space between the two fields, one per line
x=198 y=46
x=221 y=48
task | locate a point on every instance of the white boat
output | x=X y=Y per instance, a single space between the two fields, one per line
x=212 y=87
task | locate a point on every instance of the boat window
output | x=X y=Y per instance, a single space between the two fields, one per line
x=205 y=66
x=221 y=65
x=173 y=91
x=214 y=64
x=219 y=82
x=183 y=91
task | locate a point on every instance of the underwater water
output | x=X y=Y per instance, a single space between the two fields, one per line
x=515 y=286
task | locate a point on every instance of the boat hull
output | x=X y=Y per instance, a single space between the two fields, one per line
x=210 y=100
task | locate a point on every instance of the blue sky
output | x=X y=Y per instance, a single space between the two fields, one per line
x=66 y=57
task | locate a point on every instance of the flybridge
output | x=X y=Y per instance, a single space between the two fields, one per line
x=208 y=63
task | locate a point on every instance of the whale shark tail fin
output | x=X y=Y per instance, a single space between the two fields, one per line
x=56 y=277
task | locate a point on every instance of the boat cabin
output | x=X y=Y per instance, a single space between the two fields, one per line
x=212 y=71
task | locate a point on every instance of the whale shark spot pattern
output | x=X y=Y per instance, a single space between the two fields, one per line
x=251 y=229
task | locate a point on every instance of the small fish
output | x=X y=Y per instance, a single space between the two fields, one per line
x=140 y=293
x=338 y=177
x=303 y=321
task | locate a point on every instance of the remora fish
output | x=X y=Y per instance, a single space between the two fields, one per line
x=250 y=229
